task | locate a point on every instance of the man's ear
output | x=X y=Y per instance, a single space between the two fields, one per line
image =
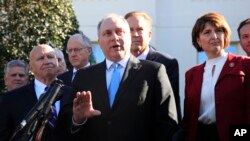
x=89 y=50
x=150 y=34
x=4 y=77
x=30 y=68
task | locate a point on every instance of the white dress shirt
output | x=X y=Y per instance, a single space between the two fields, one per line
x=144 y=54
x=109 y=70
x=207 y=105
x=40 y=89
x=75 y=70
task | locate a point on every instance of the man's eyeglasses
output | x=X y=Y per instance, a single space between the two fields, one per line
x=76 y=50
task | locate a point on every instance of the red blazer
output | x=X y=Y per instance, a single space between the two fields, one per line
x=232 y=96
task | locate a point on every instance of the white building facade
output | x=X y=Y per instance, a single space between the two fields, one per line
x=172 y=23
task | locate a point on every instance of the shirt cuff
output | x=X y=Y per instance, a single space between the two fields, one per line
x=76 y=126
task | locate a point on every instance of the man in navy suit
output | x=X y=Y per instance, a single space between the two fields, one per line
x=141 y=33
x=79 y=49
x=17 y=103
x=143 y=107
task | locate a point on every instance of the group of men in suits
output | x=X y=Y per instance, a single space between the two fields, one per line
x=144 y=106
x=17 y=103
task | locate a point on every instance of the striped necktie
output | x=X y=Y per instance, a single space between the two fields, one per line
x=53 y=118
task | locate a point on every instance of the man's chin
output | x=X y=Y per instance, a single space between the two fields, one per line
x=136 y=47
x=51 y=74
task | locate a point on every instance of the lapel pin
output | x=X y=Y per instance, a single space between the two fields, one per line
x=232 y=64
x=138 y=66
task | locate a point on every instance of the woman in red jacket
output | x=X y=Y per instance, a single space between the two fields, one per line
x=217 y=92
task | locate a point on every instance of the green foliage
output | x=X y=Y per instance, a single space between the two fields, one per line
x=24 y=22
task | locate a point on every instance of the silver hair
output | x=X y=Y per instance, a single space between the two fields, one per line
x=111 y=16
x=84 y=40
x=16 y=63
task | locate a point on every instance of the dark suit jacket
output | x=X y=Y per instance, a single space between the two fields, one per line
x=232 y=97
x=144 y=107
x=66 y=77
x=172 y=69
x=16 y=105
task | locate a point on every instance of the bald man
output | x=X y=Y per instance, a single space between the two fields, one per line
x=17 y=103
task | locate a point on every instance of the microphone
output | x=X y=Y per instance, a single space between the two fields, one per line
x=53 y=95
x=33 y=112
x=43 y=105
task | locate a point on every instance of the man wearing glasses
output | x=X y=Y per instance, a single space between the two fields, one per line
x=78 y=50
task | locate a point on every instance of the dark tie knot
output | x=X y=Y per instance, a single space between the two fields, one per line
x=46 y=88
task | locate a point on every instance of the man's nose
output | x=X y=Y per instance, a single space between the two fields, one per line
x=115 y=36
x=134 y=33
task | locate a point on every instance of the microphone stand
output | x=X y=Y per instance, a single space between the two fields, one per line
x=40 y=113
x=52 y=97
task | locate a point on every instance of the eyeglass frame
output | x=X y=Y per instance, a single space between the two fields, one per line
x=76 y=50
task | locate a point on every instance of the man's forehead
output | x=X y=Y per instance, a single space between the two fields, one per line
x=44 y=53
x=245 y=28
x=37 y=55
x=112 y=23
x=44 y=50
x=16 y=69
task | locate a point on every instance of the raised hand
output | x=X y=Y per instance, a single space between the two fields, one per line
x=83 y=108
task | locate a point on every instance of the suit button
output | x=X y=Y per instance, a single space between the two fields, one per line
x=109 y=122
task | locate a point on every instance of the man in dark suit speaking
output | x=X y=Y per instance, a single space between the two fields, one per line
x=122 y=98
x=17 y=103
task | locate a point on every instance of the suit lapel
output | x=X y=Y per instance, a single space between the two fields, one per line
x=101 y=74
x=101 y=94
x=198 y=78
x=69 y=77
x=151 y=55
x=31 y=93
x=133 y=66
x=228 y=67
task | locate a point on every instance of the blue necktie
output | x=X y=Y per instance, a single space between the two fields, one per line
x=114 y=83
x=53 y=118
x=73 y=76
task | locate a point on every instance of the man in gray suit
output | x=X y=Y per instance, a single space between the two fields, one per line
x=142 y=109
